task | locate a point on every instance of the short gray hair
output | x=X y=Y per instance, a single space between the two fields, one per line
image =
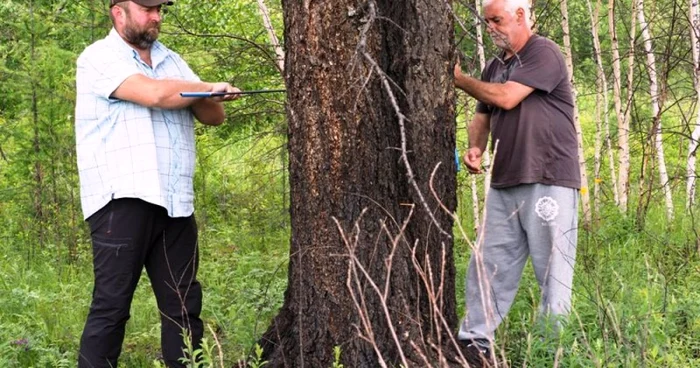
x=511 y=6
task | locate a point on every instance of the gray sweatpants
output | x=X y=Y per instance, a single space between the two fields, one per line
x=533 y=219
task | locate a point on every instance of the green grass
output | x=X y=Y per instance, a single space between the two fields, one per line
x=636 y=291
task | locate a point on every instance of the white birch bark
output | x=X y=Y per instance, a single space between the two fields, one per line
x=695 y=135
x=622 y=123
x=585 y=195
x=265 y=15
x=597 y=145
x=655 y=108
x=630 y=82
x=602 y=85
x=486 y=158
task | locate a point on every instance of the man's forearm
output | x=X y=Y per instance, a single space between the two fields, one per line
x=488 y=93
x=479 y=130
x=167 y=93
x=505 y=96
x=208 y=112
x=163 y=94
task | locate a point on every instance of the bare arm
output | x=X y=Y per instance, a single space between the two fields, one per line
x=502 y=95
x=165 y=94
x=479 y=130
x=210 y=111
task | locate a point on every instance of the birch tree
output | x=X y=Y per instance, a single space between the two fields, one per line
x=272 y=35
x=585 y=196
x=622 y=186
x=694 y=17
x=655 y=108
x=481 y=55
x=602 y=128
x=486 y=158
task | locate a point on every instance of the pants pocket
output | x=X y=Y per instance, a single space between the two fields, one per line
x=115 y=263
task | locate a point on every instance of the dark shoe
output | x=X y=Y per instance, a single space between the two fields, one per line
x=477 y=353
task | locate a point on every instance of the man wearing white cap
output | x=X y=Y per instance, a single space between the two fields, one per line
x=136 y=154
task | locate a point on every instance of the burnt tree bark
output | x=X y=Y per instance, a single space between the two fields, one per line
x=365 y=79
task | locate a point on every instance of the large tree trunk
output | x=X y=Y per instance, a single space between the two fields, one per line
x=363 y=145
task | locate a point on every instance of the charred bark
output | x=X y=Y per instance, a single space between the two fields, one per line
x=352 y=70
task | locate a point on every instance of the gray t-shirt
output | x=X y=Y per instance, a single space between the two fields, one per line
x=536 y=139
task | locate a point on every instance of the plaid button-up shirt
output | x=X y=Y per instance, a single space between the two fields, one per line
x=126 y=150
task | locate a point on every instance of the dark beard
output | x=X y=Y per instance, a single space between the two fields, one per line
x=142 y=38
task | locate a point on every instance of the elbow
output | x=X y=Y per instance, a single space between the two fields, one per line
x=161 y=99
x=509 y=106
x=214 y=120
x=209 y=112
x=217 y=122
x=152 y=100
x=506 y=104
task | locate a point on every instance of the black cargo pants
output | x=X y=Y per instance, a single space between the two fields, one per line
x=128 y=234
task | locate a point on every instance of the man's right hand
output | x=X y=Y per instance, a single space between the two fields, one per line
x=224 y=87
x=472 y=159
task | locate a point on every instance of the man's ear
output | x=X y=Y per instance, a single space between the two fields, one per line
x=520 y=15
x=117 y=11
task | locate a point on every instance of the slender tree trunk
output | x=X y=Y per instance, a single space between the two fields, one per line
x=272 y=35
x=655 y=108
x=481 y=55
x=598 y=148
x=486 y=158
x=645 y=191
x=622 y=123
x=585 y=196
x=695 y=135
x=371 y=117
x=476 y=207
x=38 y=167
x=631 y=53
x=279 y=51
x=603 y=87
x=601 y=108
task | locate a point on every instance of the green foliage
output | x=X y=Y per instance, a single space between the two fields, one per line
x=203 y=357
x=256 y=361
x=336 y=357
x=636 y=299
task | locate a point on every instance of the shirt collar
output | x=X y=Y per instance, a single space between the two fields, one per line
x=158 y=51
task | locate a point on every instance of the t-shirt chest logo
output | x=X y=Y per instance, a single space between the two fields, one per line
x=547 y=208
